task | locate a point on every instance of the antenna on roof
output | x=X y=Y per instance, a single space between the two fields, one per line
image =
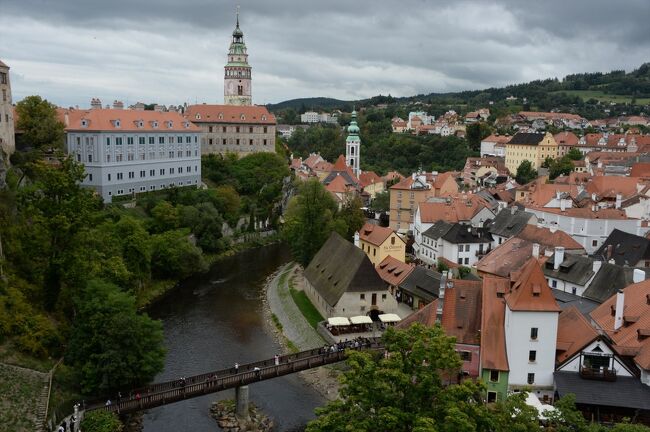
x=237 y=14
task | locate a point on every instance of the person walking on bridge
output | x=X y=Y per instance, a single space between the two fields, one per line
x=236 y=368
x=277 y=360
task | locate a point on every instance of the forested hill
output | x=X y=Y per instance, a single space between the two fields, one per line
x=616 y=86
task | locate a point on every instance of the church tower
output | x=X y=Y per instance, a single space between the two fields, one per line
x=353 y=146
x=237 y=80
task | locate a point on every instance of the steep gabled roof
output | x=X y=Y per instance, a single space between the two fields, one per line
x=423 y=283
x=574 y=269
x=253 y=114
x=609 y=279
x=366 y=178
x=339 y=267
x=507 y=257
x=493 y=338
x=549 y=238
x=633 y=338
x=530 y=291
x=438 y=229
x=573 y=334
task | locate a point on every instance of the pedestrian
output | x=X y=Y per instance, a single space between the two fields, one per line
x=137 y=396
x=258 y=372
x=119 y=397
x=236 y=367
x=108 y=403
x=277 y=360
x=61 y=428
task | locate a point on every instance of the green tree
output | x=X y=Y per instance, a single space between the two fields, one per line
x=206 y=223
x=562 y=166
x=55 y=208
x=101 y=421
x=165 y=217
x=37 y=120
x=136 y=249
x=381 y=202
x=309 y=220
x=475 y=133
x=173 y=256
x=351 y=216
x=111 y=345
x=525 y=172
x=574 y=154
x=565 y=417
x=410 y=387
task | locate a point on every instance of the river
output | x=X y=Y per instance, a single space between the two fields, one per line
x=214 y=320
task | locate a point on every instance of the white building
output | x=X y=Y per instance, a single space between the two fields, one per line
x=531 y=322
x=456 y=243
x=7 y=137
x=238 y=82
x=126 y=151
x=588 y=226
x=314 y=117
x=353 y=146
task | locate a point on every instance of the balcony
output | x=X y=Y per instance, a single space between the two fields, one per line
x=600 y=374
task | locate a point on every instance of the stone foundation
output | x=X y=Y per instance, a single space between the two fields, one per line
x=224 y=413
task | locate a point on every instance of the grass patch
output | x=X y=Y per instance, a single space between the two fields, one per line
x=9 y=354
x=19 y=395
x=306 y=307
x=276 y=321
x=603 y=97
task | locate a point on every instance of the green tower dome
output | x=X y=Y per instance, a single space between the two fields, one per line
x=353 y=128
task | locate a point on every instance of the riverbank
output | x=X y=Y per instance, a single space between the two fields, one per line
x=160 y=288
x=294 y=332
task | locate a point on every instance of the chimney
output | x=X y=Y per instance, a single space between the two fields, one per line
x=593 y=197
x=356 y=239
x=558 y=258
x=638 y=276
x=535 y=250
x=118 y=105
x=619 y=200
x=596 y=266
x=441 y=296
x=66 y=119
x=95 y=103
x=610 y=251
x=562 y=204
x=513 y=210
x=620 y=304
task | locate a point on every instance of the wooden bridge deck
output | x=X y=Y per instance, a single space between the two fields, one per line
x=173 y=391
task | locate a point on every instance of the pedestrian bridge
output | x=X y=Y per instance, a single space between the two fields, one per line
x=165 y=393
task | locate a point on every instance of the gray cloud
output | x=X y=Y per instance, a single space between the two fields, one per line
x=172 y=51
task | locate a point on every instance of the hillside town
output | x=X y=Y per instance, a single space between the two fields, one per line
x=531 y=257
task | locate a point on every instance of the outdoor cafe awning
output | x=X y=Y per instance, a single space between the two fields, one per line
x=338 y=321
x=361 y=319
x=389 y=318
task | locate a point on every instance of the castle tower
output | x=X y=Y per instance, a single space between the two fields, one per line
x=237 y=80
x=353 y=146
x=7 y=139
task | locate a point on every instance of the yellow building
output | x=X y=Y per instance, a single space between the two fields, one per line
x=534 y=147
x=379 y=242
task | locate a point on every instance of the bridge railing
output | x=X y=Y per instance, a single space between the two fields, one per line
x=213 y=382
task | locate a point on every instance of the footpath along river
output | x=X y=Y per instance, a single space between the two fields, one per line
x=214 y=320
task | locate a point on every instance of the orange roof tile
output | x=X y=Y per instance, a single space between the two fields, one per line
x=394 y=271
x=252 y=114
x=507 y=257
x=640 y=169
x=566 y=138
x=338 y=185
x=549 y=239
x=460 y=208
x=367 y=178
x=340 y=164
x=127 y=120
x=499 y=139
x=609 y=186
x=573 y=333
x=374 y=234
x=584 y=212
x=493 y=338
x=631 y=339
x=530 y=291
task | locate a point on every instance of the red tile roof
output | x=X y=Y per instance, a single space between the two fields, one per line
x=632 y=338
x=566 y=138
x=252 y=114
x=530 y=291
x=499 y=139
x=493 y=338
x=548 y=238
x=367 y=178
x=374 y=234
x=507 y=257
x=394 y=271
x=573 y=333
x=338 y=185
x=458 y=208
x=128 y=120
x=640 y=169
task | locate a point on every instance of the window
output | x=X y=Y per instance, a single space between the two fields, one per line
x=129 y=140
x=224 y=129
x=250 y=142
x=374 y=251
x=210 y=129
x=143 y=174
x=383 y=296
x=171 y=170
x=90 y=158
x=237 y=141
x=533 y=333
x=188 y=139
x=460 y=261
x=250 y=129
x=131 y=174
x=109 y=177
x=152 y=173
x=491 y=397
x=120 y=176
x=594 y=243
x=362 y=296
x=108 y=141
x=161 y=140
x=162 y=171
x=141 y=140
x=465 y=355
x=531 y=378
x=78 y=157
x=90 y=177
x=152 y=140
x=264 y=142
x=180 y=170
x=554 y=283
x=265 y=128
x=223 y=141
x=237 y=129
x=392 y=240
x=494 y=376
x=532 y=356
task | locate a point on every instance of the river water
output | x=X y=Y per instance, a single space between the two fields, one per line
x=215 y=320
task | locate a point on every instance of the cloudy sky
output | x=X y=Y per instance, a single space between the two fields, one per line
x=173 y=51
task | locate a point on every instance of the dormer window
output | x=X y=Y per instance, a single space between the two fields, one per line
x=140 y=123
x=116 y=123
x=220 y=116
x=186 y=125
x=264 y=118
x=84 y=123
x=243 y=117
x=154 y=124
x=170 y=124
x=197 y=116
